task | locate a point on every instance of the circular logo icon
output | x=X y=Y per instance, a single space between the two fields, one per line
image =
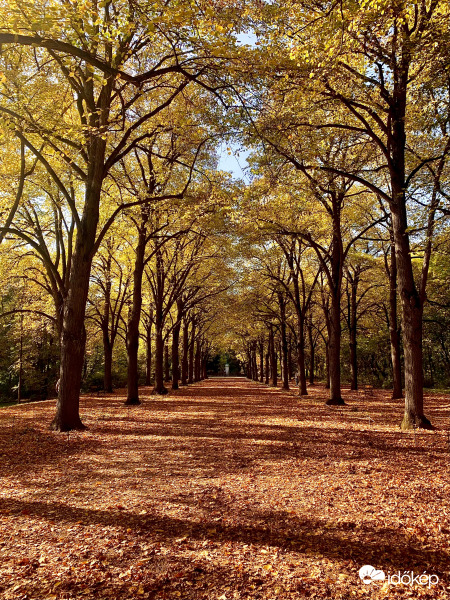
x=367 y=574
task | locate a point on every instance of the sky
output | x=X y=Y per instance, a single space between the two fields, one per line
x=235 y=160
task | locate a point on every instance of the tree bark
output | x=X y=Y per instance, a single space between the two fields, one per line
x=205 y=366
x=334 y=320
x=273 y=359
x=184 y=359
x=107 y=346
x=197 y=359
x=311 y=353
x=175 y=346
x=148 y=360
x=301 y=356
x=290 y=374
x=412 y=312
x=284 y=345
x=254 y=363
x=412 y=307
x=191 y=353
x=334 y=354
x=166 y=363
x=107 y=378
x=73 y=335
x=261 y=362
x=134 y=317
x=159 y=388
x=20 y=382
x=394 y=329
x=327 y=366
x=353 y=334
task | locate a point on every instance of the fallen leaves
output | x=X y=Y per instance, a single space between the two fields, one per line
x=223 y=490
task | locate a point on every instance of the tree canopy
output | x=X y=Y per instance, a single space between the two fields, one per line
x=128 y=255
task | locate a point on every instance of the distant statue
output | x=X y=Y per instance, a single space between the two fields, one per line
x=227 y=369
x=57 y=386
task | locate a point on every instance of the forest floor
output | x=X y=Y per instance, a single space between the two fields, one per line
x=224 y=490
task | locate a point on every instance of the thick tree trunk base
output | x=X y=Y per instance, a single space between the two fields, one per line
x=397 y=396
x=58 y=425
x=335 y=402
x=160 y=392
x=132 y=402
x=420 y=422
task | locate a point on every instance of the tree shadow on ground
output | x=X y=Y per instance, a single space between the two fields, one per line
x=366 y=545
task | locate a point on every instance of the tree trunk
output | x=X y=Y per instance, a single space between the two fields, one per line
x=107 y=375
x=148 y=361
x=159 y=388
x=353 y=361
x=327 y=365
x=284 y=352
x=73 y=336
x=267 y=374
x=394 y=329
x=311 y=354
x=273 y=360
x=184 y=359
x=261 y=362
x=255 y=364
x=300 y=314
x=107 y=345
x=205 y=365
x=290 y=374
x=20 y=382
x=412 y=308
x=411 y=325
x=353 y=335
x=191 y=354
x=175 y=348
x=166 y=363
x=197 y=358
x=334 y=353
x=301 y=367
x=134 y=317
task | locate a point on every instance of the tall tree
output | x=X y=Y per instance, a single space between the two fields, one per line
x=377 y=69
x=109 y=69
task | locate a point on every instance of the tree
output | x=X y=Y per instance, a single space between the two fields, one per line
x=325 y=209
x=109 y=292
x=369 y=68
x=113 y=67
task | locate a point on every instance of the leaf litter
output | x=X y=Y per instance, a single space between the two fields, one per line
x=227 y=489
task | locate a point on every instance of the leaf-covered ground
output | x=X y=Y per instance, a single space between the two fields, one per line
x=224 y=490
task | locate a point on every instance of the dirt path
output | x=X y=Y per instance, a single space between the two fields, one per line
x=223 y=490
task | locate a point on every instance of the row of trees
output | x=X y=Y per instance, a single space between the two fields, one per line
x=92 y=97
x=287 y=329
x=111 y=114
x=356 y=107
x=155 y=276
